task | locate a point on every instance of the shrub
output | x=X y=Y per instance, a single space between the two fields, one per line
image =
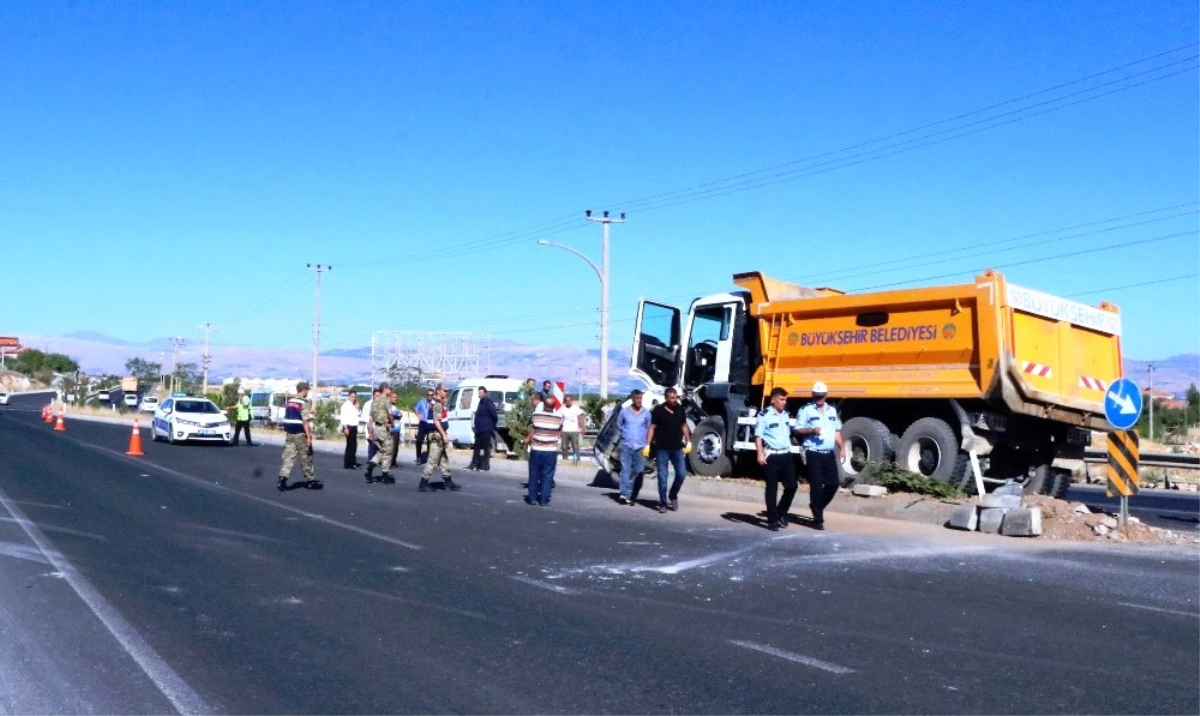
x=897 y=479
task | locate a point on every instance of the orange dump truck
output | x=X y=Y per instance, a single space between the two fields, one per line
x=927 y=377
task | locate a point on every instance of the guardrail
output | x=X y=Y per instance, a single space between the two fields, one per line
x=1177 y=461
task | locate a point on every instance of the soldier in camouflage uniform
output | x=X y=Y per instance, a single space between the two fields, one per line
x=297 y=430
x=381 y=429
x=439 y=444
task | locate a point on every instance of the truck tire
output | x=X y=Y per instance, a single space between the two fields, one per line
x=929 y=447
x=869 y=444
x=1047 y=480
x=710 y=449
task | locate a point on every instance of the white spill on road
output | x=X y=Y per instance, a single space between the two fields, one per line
x=792 y=656
x=1149 y=608
x=545 y=585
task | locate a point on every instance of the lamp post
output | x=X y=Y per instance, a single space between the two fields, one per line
x=602 y=274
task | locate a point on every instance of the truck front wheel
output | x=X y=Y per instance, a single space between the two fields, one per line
x=929 y=447
x=869 y=444
x=710 y=456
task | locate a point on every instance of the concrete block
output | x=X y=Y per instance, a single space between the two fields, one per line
x=1009 y=488
x=870 y=490
x=1008 y=502
x=965 y=517
x=1110 y=522
x=1100 y=530
x=991 y=518
x=1022 y=523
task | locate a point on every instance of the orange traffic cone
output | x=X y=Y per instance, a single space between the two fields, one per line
x=48 y=414
x=135 y=441
x=59 y=427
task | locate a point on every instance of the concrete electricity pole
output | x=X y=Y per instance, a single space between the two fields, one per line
x=319 y=270
x=1150 y=368
x=208 y=329
x=604 y=221
x=176 y=343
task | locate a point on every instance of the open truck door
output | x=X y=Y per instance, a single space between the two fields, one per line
x=656 y=349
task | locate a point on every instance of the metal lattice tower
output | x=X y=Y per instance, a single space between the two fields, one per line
x=429 y=357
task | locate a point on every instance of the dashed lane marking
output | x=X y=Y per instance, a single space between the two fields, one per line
x=792 y=656
x=172 y=686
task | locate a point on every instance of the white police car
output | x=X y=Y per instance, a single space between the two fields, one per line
x=180 y=418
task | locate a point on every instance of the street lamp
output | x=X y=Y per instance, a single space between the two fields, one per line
x=602 y=274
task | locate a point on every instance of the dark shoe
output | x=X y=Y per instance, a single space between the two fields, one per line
x=662 y=508
x=282 y=486
x=387 y=479
x=623 y=500
x=674 y=504
x=357 y=465
x=370 y=473
x=529 y=500
x=424 y=486
x=773 y=525
x=783 y=522
x=819 y=526
x=544 y=504
x=452 y=486
x=314 y=484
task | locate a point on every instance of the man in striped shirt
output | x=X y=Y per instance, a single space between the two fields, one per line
x=543 y=449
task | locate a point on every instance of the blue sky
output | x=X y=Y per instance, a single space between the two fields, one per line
x=219 y=147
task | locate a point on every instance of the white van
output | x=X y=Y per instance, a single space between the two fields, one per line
x=463 y=400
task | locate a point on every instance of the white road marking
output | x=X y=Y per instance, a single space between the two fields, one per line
x=545 y=585
x=791 y=656
x=1149 y=608
x=320 y=518
x=177 y=691
x=21 y=551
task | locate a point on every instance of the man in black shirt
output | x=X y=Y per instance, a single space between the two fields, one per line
x=671 y=440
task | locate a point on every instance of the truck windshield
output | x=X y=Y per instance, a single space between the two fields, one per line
x=260 y=400
x=710 y=326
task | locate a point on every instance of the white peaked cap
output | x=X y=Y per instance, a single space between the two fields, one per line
x=820 y=388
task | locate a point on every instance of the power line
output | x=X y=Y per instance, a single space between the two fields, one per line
x=1143 y=284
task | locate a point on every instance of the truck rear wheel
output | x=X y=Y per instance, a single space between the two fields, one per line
x=1047 y=480
x=710 y=456
x=869 y=444
x=929 y=447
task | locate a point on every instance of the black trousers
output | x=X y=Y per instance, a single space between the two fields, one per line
x=351 y=455
x=237 y=430
x=423 y=430
x=822 y=481
x=481 y=454
x=395 y=447
x=779 y=468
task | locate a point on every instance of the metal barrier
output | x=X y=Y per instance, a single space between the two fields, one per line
x=1177 y=461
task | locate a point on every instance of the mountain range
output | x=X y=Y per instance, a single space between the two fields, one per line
x=99 y=353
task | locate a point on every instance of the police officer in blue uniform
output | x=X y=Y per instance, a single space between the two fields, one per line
x=773 y=437
x=818 y=423
x=298 y=439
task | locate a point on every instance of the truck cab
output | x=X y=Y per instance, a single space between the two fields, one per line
x=702 y=354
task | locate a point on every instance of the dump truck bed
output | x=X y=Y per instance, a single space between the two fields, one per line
x=1038 y=354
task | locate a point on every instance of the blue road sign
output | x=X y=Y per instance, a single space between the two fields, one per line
x=1123 y=404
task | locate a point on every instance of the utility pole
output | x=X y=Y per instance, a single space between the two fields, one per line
x=208 y=329
x=1150 y=368
x=319 y=270
x=605 y=222
x=177 y=343
x=579 y=372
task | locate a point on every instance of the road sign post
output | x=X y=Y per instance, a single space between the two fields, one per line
x=1123 y=480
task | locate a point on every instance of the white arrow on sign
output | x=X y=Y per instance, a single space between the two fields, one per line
x=1124 y=401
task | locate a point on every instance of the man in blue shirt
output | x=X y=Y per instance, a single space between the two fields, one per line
x=773 y=438
x=818 y=423
x=634 y=424
x=424 y=427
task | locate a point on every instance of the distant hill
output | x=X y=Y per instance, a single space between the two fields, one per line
x=99 y=353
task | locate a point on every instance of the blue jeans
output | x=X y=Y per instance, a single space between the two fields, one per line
x=632 y=466
x=541 y=475
x=676 y=459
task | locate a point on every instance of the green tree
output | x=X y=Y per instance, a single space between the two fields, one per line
x=519 y=421
x=33 y=362
x=145 y=371
x=325 y=418
x=187 y=378
x=593 y=408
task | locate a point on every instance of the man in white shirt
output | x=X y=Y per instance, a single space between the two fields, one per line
x=572 y=428
x=349 y=417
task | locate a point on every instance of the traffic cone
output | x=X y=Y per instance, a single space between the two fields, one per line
x=59 y=427
x=135 y=441
x=48 y=414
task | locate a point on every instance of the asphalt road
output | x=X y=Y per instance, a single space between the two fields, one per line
x=1168 y=509
x=185 y=582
